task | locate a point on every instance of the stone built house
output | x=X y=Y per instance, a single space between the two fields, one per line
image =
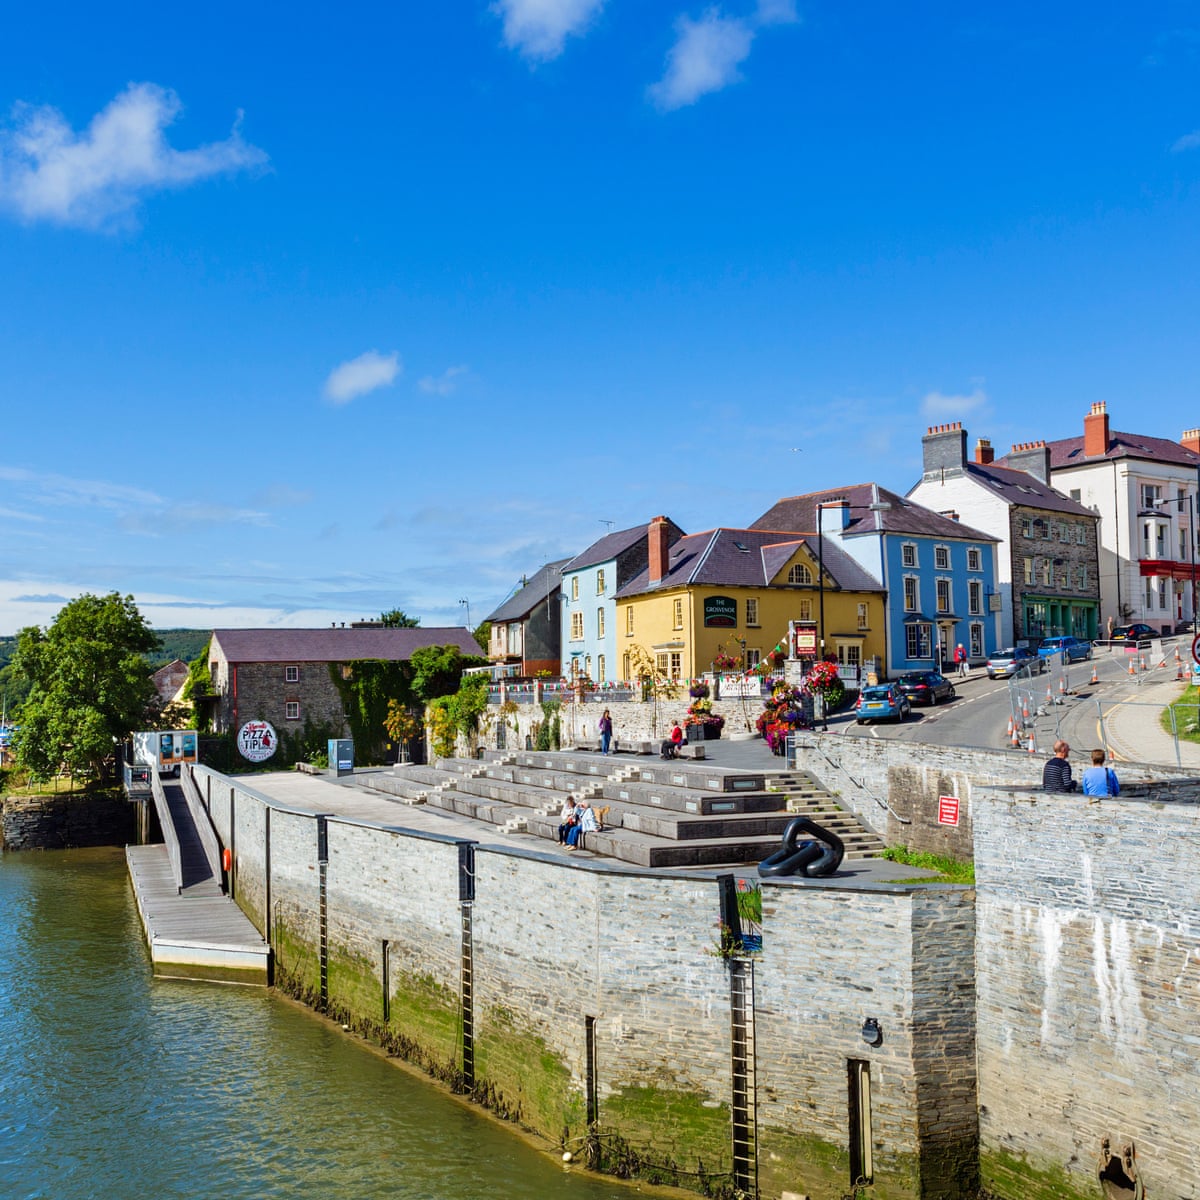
x=590 y=582
x=736 y=590
x=1048 y=572
x=1145 y=491
x=940 y=574
x=284 y=675
x=526 y=637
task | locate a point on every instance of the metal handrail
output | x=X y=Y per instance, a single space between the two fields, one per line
x=203 y=822
x=170 y=837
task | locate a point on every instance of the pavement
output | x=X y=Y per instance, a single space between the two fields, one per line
x=1133 y=727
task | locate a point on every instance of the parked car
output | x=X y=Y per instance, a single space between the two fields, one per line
x=1015 y=660
x=1133 y=633
x=925 y=687
x=881 y=702
x=1073 y=649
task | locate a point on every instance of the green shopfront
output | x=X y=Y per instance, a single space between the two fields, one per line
x=1054 y=616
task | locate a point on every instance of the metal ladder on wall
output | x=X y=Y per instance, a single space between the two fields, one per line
x=744 y=1091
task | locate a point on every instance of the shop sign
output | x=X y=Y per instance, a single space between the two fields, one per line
x=720 y=612
x=256 y=741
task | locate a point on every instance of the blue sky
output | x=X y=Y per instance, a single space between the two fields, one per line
x=308 y=314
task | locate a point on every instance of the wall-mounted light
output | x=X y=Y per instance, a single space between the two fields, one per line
x=871 y=1033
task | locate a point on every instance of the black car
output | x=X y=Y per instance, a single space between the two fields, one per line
x=925 y=687
x=1133 y=633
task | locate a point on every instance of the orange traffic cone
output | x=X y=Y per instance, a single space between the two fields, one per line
x=1032 y=743
x=1024 y=708
x=1095 y=673
x=1049 y=695
x=1177 y=658
x=1131 y=668
x=1062 y=688
x=1015 y=737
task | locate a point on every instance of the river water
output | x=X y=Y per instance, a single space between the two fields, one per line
x=114 y=1084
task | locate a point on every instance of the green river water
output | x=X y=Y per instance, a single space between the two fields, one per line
x=114 y=1084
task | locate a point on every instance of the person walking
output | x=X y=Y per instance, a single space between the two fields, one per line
x=605 y=732
x=1056 y=774
x=1099 y=780
x=960 y=657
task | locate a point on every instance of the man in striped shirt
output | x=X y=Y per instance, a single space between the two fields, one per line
x=1056 y=774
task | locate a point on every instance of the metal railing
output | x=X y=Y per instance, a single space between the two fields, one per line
x=170 y=837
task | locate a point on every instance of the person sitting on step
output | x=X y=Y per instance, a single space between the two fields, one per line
x=586 y=824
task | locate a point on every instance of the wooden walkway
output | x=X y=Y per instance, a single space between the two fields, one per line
x=197 y=932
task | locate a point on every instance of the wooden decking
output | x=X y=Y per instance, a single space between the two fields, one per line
x=196 y=932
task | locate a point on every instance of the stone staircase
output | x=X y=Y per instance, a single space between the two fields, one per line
x=680 y=814
x=807 y=797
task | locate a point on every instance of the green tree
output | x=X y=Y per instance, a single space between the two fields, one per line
x=483 y=635
x=437 y=670
x=89 y=684
x=396 y=618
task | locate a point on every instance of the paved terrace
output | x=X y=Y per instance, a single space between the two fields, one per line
x=355 y=797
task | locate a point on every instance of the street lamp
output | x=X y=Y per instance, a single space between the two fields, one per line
x=1180 y=500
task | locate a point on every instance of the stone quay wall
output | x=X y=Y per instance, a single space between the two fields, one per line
x=1088 y=980
x=58 y=822
x=599 y=985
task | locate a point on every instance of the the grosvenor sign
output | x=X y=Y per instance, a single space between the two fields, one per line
x=720 y=612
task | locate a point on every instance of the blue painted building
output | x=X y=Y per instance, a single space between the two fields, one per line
x=590 y=582
x=940 y=575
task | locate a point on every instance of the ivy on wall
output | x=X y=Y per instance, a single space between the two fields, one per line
x=365 y=687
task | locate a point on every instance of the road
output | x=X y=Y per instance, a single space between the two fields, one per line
x=1060 y=702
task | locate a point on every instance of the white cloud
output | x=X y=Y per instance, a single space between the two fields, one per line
x=443 y=384
x=704 y=58
x=776 y=12
x=361 y=375
x=538 y=29
x=51 y=489
x=939 y=404
x=1189 y=141
x=93 y=179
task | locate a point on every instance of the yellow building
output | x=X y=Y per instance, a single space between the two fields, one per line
x=734 y=591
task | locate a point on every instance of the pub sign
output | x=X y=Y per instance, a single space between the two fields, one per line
x=720 y=612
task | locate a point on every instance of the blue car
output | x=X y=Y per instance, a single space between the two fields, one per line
x=1072 y=648
x=881 y=702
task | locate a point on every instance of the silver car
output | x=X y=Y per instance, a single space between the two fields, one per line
x=1015 y=660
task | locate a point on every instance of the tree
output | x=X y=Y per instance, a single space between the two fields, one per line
x=90 y=684
x=483 y=635
x=396 y=618
x=437 y=670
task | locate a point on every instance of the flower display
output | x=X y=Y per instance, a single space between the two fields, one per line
x=783 y=712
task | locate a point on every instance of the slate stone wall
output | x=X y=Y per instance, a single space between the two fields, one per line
x=1088 y=975
x=563 y=949
x=58 y=822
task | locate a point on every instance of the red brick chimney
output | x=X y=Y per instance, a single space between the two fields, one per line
x=1095 y=431
x=1191 y=440
x=659 y=549
x=984 y=453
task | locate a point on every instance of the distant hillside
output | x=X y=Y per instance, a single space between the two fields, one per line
x=186 y=644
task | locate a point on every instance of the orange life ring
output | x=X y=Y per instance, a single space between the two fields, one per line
x=226 y=859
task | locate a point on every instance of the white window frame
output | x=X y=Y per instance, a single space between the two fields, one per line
x=677 y=613
x=600 y=581
x=941 y=558
x=912 y=603
x=577 y=627
x=800 y=574
x=600 y=622
x=629 y=620
x=943 y=591
x=291 y=710
x=291 y=674
x=574 y=587
x=863 y=615
x=600 y=676
x=806 y=613
x=752 y=611
x=974 y=558
x=975 y=597
x=908 y=554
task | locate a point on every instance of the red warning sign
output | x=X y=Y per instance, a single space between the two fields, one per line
x=947 y=810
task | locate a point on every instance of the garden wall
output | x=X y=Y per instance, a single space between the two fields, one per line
x=600 y=985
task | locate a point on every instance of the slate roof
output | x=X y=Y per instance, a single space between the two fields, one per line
x=747 y=558
x=606 y=549
x=1068 y=452
x=523 y=601
x=336 y=645
x=904 y=517
x=1019 y=487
